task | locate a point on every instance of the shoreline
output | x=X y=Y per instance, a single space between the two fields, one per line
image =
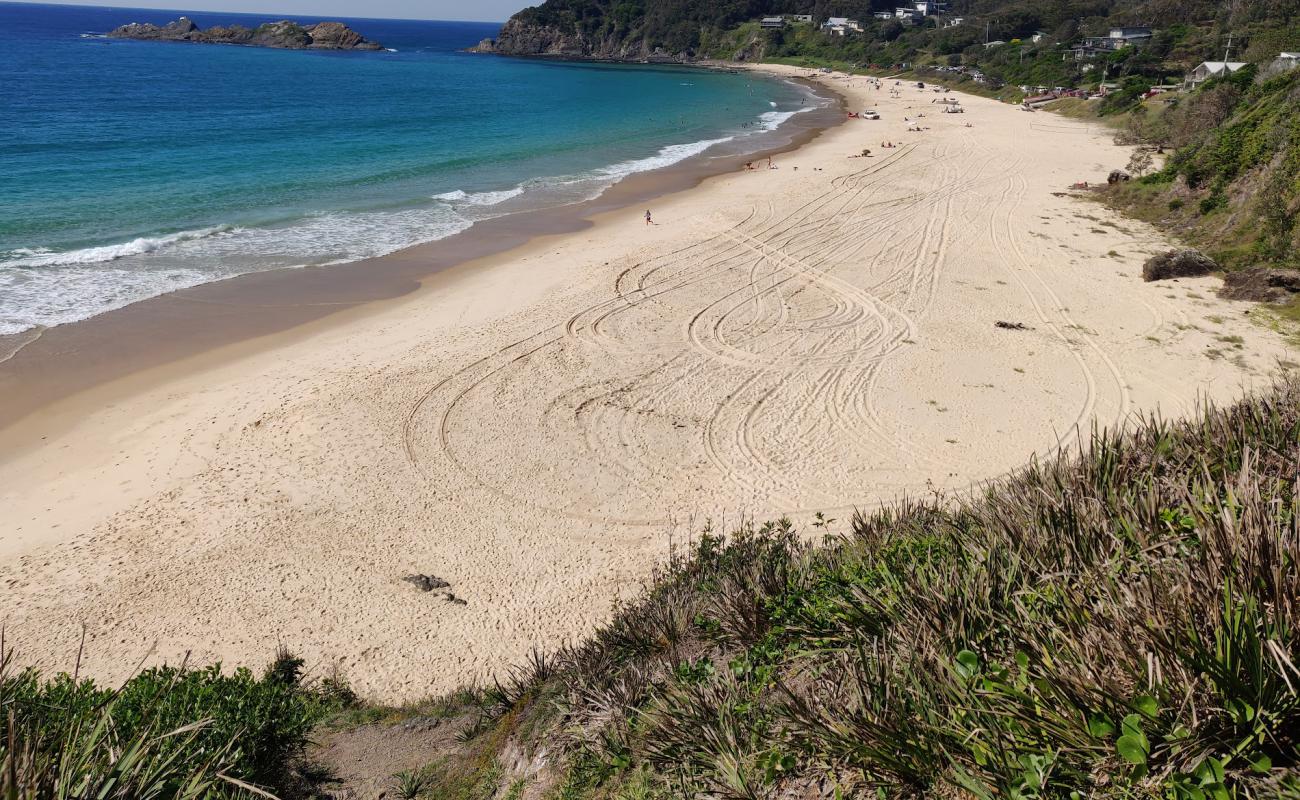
x=46 y=366
x=540 y=427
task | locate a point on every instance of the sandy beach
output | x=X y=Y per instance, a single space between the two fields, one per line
x=539 y=426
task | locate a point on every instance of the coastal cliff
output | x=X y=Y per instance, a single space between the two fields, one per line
x=284 y=34
x=521 y=36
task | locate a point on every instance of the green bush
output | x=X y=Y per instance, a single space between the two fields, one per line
x=168 y=731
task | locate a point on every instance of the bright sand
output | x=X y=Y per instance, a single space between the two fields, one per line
x=537 y=427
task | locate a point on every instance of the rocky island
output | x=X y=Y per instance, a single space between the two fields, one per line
x=284 y=34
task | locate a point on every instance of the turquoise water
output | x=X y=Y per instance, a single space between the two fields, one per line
x=129 y=169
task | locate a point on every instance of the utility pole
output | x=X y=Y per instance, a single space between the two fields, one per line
x=1227 y=50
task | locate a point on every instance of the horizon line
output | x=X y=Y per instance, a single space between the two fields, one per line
x=241 y=13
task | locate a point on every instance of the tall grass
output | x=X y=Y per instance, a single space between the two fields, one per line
x=168 y=732
x=1123 y=621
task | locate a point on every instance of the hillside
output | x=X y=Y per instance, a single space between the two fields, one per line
x=1231 y=186
x=689 y=29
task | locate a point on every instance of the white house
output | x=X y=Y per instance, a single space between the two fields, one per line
x=805 y=19
x=839 y=26
x=1037 y=37
x=1211 y=69
x=930 y=8
x=772 y=22
x=883 y=15
x=1123 y=37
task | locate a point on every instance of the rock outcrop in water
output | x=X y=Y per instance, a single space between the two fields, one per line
x=284 y=34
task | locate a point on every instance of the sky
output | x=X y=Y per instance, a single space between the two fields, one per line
x=475 y=10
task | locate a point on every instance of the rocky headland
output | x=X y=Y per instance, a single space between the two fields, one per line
x=284 y=34
x=521 y=36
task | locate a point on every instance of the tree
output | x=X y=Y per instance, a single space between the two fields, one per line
x=1140 y=163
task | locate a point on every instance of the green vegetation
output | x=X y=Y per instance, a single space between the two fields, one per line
x=1034 y=34
x=169 y=732
x=1233 y=183
x=1121 y=623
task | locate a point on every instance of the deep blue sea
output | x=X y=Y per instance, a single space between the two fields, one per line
x=130 y=169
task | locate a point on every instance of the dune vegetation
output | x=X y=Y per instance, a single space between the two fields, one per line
x=169 y=732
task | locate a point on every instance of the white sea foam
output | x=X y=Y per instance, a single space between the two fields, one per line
x=56 y=288
x=666 y=157
x=46 y=297
x=771 y=120
x=43 y=257
x=479 y=198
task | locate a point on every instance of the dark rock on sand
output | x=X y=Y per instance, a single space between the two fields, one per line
x=1261 y=285
x=426 y=583
x=1012 y=326
x=284 y=34
x=1178 y=264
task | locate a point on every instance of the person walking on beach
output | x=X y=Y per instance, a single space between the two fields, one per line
x=648 y=219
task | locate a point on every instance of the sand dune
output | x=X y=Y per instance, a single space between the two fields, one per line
x=538 y=429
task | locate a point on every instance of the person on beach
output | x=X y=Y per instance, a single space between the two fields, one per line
x=648 y=219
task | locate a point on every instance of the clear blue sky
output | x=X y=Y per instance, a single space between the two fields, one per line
x=478 y=10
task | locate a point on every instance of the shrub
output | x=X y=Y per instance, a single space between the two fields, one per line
x=167 y=732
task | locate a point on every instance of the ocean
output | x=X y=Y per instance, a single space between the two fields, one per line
x=131 y=169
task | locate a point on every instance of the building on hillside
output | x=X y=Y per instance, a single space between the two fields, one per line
x=1207 y=70
x=1117 y=39
x=802 y=19
x=840 y=26
x=908 y=15
x=930 y=8
x=1125 y=37
x=952 y=22
x=772 y=23
x=883 y=15
x=1286 y=61
x=994 y=43
x=1037 y=37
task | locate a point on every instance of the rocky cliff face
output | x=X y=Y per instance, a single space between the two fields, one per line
x=521 y=38
x=284 y=34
